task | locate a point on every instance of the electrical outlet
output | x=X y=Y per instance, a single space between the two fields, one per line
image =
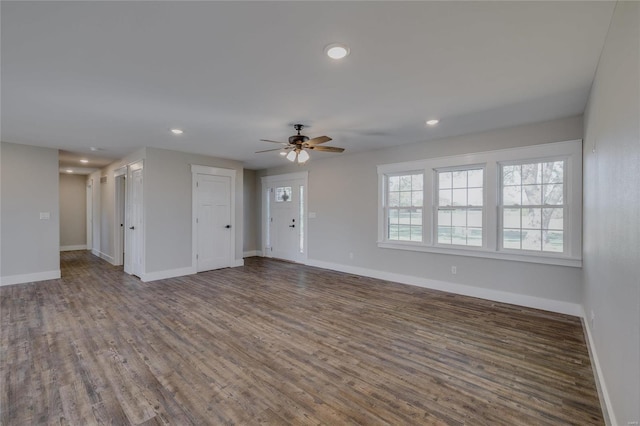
x=454 y=270
x=592 y=318
x=351 y=255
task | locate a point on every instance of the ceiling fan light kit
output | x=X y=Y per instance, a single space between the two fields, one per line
x=299 y=144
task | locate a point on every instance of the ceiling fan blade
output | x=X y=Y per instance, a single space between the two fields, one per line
x=268 y=150
x=327 y=148
x=318 y=140
x=267 y=140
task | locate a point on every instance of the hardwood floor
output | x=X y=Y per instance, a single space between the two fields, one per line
x=280 y=343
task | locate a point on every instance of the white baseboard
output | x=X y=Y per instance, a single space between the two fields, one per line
x=104 y=256
x=603 y=394
x=252 y=253
x=72 y=248
x=237 y=262
x=465 y=290
x=169 y=273
x=29 y=278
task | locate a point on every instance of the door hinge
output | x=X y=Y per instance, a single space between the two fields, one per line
x=197 y=256
x=197 y=220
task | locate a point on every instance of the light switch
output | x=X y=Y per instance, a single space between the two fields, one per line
x=312 y=215
x=45 y=215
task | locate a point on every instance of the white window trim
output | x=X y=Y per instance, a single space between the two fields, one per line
x=491 y=160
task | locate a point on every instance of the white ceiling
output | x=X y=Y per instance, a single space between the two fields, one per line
x=118 y=75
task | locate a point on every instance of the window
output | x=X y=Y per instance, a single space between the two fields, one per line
x=283 y=194
x=520 y=204
x=460 y=201
x=405 y=195
x=533 y=206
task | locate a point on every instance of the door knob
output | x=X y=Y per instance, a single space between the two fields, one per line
x=292 y=226
x=228 y=226
x=132 y=227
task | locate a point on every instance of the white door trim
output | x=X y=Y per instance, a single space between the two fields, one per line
x=268 y=181
x=215 y=171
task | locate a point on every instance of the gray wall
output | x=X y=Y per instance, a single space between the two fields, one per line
x=612 y=213
x=251 y=212
x=73 y=210
x=29 y=185
x=167 y=207
x=343 y=192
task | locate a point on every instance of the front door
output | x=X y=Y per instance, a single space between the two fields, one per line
x=285 y=218
x=213 y=222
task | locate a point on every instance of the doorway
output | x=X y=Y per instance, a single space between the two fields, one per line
x=284 y=216
x=120 y=208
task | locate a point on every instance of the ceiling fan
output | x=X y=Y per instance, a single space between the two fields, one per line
x=298 y=144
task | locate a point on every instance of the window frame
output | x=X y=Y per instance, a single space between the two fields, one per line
x=569 y=151
x=436 y=204
x=387 y=207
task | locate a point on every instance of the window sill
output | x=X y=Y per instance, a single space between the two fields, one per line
x=484 y=253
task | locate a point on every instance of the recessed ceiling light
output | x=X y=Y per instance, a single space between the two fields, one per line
x=432 y=122
x=69 y=171
x=93 y=148
x=84 y=161
x=337 y=51
x=177 y=131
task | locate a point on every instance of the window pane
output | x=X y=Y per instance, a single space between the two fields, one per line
x=459 y=218
x=404 y=232
x=444 y=180
x=531 y=173
x=474 y=218
x=511 y=175
x=460 y=179
x=394 y=183
x=511 y=238
x=552 y=241
x=283 y=194
x=474 y=237
x=417 y=182
x=416 y=233
x=416 y=217
x=511 y=218
x=405 y=199
x=531 y=195
x=475 y=197
x=445 y=197
x=393 y=216
x=475 y=178
x=416 y=198
x=531 y=240
x=404 y=216
x=459 y=236
x=393 y=232
x=444 y=234
x=531 y=218
x=511 y=195
x=444 y=217
x=394 y=199
x=553 y=219
x=553 y=172
x=405 y=183
x=459 y=197
x=553 y=194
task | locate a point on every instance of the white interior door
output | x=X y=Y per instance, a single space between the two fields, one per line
x=134 y=236
x=213 y=222
x=90 y=214
x=286 y=220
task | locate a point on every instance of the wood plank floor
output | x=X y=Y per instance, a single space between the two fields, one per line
x=279 y=343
